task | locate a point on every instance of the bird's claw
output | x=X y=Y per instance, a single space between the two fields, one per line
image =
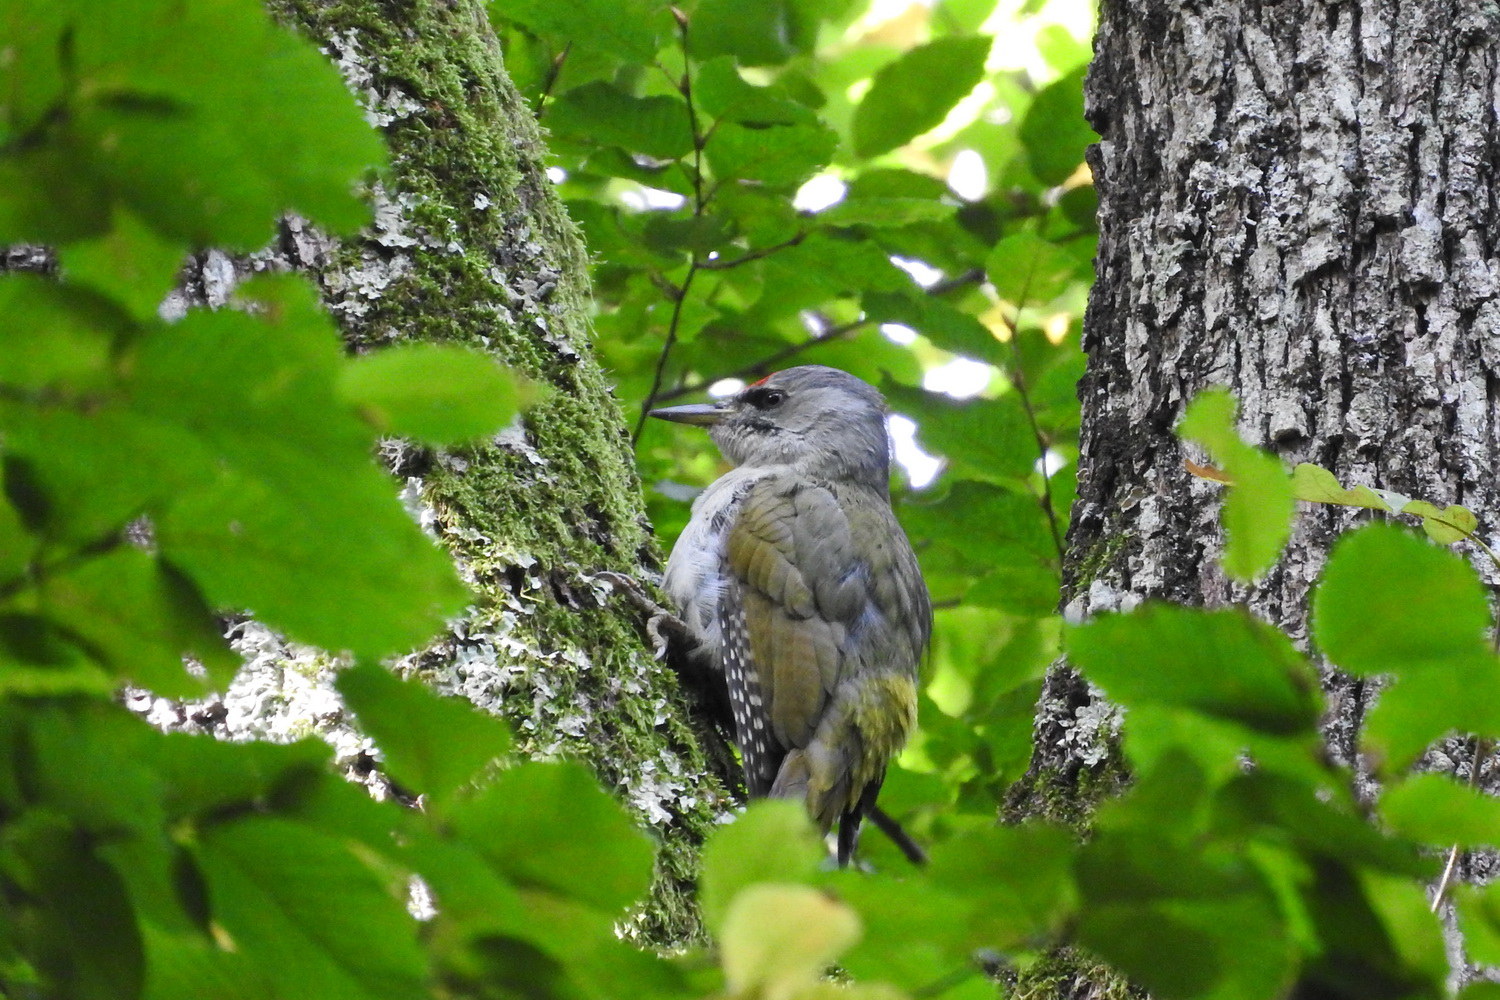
x=664 y=629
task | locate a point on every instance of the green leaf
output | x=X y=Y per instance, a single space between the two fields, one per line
x=269 y=884
x=1031 y=590
x=781 y=156
x=980 y=521
x=38 y=658
x=831 y=266
x=698 y=233
x=602 y=114
x=194 y=139
x=431 y=744
x=550 y=826
x=1054 y=130
x=947 y=326
x=60 y=337
x=722 y=93
x=202 y=775
x=1446 y=525
x=883 y=212
x=129 y=262
x=1020 y=878
x=988 y=439
x=915 y=93
x=81 y=477
x=1316 y=484
x=1413 y=930
x=915 y=932
x=1435 y=809
x=75 y=906
x=1187 y=919
x=94 y=765
x=1155 y=656
x=435 y=393
x=1258 y=511
x=1027 y=270
x=1443 y=525
x=1316 y=817
x=1479 y=919
x=188 y=964
x=139 y=618
x=1392 y=603
x=629 y=29
x=17 y=545
x=1458 y=696
x=771 y=841
x=297 y=503
x=755 y=32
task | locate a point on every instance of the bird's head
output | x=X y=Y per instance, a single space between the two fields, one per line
x=820 y=419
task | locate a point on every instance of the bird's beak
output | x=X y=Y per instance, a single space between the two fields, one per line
x=698 y=414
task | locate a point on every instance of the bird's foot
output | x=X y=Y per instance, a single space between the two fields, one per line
x=665 y=630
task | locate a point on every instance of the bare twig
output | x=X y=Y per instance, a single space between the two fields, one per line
x=553 y=72
x=700 y=202
x=655 y=395
x=753 y=255
x=1481 y=751
x=1018 y=382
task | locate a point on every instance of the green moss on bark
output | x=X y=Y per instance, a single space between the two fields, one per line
x=1069 y=974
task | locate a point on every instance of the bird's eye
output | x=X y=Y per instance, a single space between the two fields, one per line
x=764 y=399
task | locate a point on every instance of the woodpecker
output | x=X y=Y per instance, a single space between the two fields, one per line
x=802 y=590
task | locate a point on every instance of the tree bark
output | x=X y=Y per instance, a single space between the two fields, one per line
x=471 y=246
x=1298 y=201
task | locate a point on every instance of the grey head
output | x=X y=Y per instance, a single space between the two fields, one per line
x=820 y=419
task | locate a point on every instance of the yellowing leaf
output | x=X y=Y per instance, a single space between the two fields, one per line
x=1446 y=526
x=1316 y=484
x=778 y=939
x=1208 y=472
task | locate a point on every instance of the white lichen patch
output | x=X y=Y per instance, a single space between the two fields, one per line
x=660 y=788
x=381 y=106
x=284 y=692
x=417 y=506
x=1090 y=732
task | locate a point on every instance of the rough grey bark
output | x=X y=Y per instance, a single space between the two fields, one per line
x=470 y=245
x=1298 y=201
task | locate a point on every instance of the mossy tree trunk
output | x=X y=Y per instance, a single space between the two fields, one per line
x=1298 y=201
x=470 y=245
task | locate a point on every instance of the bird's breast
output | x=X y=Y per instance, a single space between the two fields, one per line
x=696 y=573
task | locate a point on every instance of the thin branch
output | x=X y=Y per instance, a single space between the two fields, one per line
x=753 y=255
x=654 y=396
x=552 y=74
x=1481 y=751
x=1018 y=382
x=685 y=86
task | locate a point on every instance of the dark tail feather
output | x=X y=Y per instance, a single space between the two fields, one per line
x=898 y=836
x=848 y=835
x=849 y=828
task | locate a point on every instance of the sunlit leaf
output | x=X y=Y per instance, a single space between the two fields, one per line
x=916 y=92
x=1258 y=509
